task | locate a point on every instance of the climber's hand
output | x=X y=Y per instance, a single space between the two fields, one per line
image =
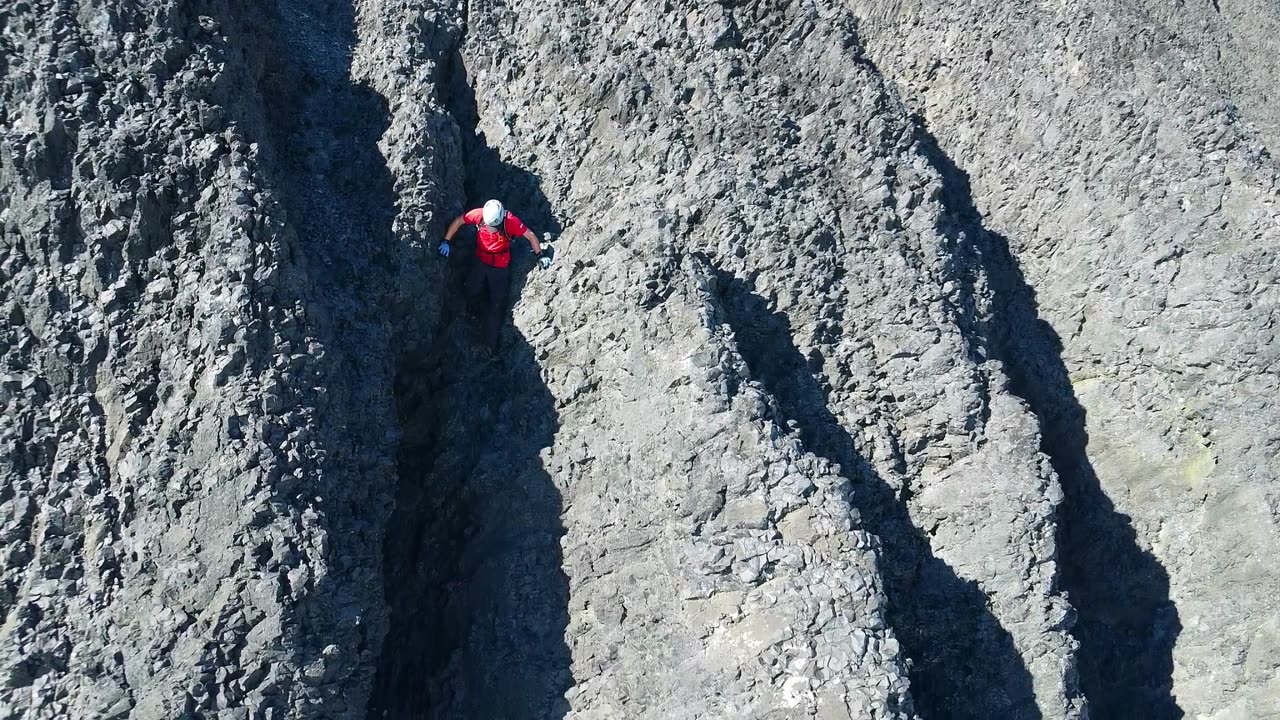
x=444 y=248
x=544 y=257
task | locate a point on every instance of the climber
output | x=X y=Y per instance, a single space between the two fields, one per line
x=490 y=275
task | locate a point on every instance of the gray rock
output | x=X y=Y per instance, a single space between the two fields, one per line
x=1117 y=159
x=781 y=433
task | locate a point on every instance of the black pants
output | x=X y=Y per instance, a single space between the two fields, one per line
x=489 y=286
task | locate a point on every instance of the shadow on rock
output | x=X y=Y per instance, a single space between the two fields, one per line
x=965 y=665
x=1127 y=625
x=340 y=200
x=473 y=561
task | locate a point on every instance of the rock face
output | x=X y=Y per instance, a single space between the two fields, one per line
x=1104 y=144
x=808 y=418
x=198 y=426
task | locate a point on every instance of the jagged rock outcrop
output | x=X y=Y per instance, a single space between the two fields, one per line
x=786 y=431
x=1107 y=146
x=856 y=311
x=194 y=487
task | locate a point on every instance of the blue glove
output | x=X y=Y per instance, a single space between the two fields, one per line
x=444 y=248
x=544 y=257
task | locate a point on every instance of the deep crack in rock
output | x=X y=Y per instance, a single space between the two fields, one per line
x=473 y=565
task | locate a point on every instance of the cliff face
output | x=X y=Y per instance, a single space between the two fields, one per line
x=1111 y=147
x=879 y=373
x=198 y=425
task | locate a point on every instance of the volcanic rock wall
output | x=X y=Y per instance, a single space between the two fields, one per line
x=766 y=441
x=198 y=424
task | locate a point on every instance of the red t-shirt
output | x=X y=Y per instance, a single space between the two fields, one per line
x=493 y=247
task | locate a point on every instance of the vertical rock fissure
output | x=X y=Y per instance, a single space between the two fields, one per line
x=1126 y=622
x=422 y=545
x=472 y=556
x=472 y=559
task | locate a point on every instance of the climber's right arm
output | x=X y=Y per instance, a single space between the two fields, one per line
x=454 y=227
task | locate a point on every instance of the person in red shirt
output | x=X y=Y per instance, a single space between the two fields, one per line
x=491 y=274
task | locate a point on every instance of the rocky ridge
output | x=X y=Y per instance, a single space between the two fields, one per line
x=182 y=532
x=907 y=412
x=1114 y=153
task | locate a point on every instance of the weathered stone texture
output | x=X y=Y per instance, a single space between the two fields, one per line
x=1105 y=141
x=898 y=359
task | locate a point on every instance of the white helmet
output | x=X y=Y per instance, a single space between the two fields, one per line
x=494 y=213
